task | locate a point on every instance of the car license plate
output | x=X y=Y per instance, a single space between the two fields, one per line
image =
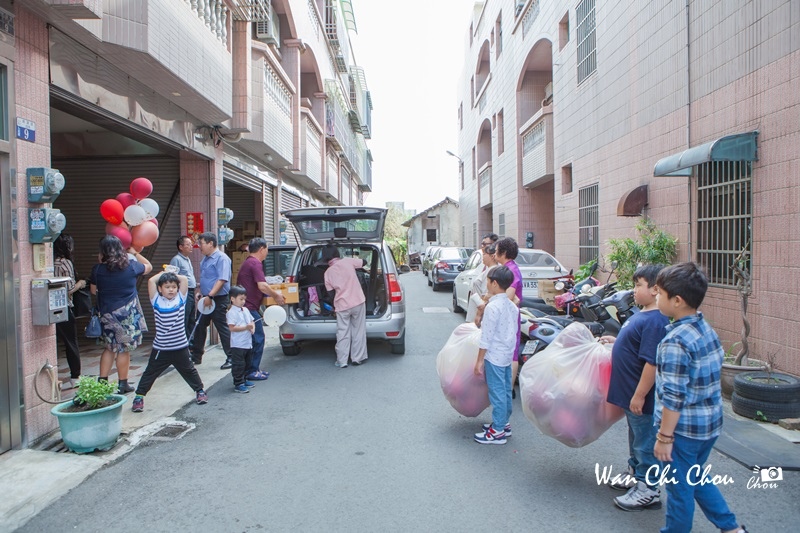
x=530 y=284
x=530 y=347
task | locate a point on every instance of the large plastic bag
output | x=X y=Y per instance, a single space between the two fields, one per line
x=455 y=364
x=564 y=388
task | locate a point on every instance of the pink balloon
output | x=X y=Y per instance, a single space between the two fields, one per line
x=126 y=199
x=141 y=188
x=120 y=233
x=144 y=234
x=154 y=221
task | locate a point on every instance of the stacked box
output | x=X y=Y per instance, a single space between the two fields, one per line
x=250 y=229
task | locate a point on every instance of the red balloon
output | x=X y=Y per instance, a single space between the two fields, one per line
x=121 y=233
x=141 y=188
x=112 y=211
x=126 y=199
x=144 y=234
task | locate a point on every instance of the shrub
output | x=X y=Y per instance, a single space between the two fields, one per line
x=652 y=246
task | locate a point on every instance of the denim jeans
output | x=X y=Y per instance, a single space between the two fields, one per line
x=258 y=342
x=686 y=453
x=641 y=440
x=498 y=379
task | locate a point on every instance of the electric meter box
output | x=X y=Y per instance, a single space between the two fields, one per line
x=49 y=301
x=44 y=184
x=224 y=216
x=224 y=235
x=45 y=224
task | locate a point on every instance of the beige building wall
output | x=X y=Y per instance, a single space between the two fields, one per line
x=659 y=88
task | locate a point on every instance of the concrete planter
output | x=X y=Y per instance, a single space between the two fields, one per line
x=88 y=431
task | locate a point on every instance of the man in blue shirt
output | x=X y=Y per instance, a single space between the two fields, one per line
x=185 y=268
x=215 y=283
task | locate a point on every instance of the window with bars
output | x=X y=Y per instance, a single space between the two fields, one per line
x=430 y=235
x=474 y=234
x=587 y=44
x=724 y=218
x=501 y=224
x=588 y=223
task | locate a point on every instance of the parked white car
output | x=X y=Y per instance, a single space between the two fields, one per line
x=534 y=265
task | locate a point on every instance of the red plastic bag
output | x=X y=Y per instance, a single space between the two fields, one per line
x=564 y=388
x=455 y=364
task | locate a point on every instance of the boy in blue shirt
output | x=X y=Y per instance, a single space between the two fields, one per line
x=688 y=410
x=633 y=376
x=499 y=334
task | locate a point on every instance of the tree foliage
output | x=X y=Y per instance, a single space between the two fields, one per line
x=395 y=234
x=652 y=246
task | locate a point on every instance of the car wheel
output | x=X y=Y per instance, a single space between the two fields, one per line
x=399 y=348
x=429 y=281
x=435 y=286
x=456 y=308
x=290 y=349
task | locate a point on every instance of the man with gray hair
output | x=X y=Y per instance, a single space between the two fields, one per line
x=184 y=264
x=215 y=283
x=251 y=277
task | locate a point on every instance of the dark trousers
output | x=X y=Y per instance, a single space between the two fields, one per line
x=160 y=360
x=241 y=359
x=67 y=333
x=221 y=304
x=190 y=318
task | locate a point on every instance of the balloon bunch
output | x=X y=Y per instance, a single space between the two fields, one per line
x=131 y=216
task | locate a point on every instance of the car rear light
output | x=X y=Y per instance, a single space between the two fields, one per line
x=395 y=292
x=441 y=265
x=392 y=333
x=287 y=336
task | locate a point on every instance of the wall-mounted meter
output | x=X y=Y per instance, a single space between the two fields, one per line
x=45 y=224
x=224 y=235
x=224 y=216
x=49 y=301
x=44 y=184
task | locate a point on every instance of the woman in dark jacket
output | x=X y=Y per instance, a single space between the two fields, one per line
x=66 y=332
x=114 y=282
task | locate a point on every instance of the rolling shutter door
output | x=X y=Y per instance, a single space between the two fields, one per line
x=90 y=181
x=243 y=202
x=290 y=201
x=269 y=214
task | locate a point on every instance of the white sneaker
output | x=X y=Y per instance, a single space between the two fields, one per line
x=340 y=365
x=639 y=497
x=623 y=481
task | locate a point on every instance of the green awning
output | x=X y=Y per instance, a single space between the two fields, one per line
x=349 y=16
x=737 y=147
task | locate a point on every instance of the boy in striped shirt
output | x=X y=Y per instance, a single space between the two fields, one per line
x=167 y=292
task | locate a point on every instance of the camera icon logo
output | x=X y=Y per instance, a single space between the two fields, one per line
x=773 y=473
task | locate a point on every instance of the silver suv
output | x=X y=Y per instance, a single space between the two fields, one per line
x=358 y=232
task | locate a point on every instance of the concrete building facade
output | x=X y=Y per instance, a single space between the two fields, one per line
x=253 y=105
x=578 y=117
x=438 y=225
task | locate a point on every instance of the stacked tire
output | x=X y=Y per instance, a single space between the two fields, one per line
x=766 y=396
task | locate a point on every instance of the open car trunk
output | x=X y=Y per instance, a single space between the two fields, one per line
x=316 y=303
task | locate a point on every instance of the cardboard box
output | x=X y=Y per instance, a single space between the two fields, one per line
x=289 y=291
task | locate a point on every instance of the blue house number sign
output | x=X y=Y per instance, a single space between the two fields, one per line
x=26 y=130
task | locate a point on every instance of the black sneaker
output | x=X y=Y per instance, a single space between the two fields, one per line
x=227 y=364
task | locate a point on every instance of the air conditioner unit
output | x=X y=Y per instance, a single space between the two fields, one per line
x=269 y=31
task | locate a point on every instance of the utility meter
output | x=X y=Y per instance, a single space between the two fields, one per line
x=45 y=224
x=224 y=235
x=224 y=216
x=49 y=301
x=44 y=184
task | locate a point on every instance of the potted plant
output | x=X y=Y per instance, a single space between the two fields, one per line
x=741 y=362
x=92 y=420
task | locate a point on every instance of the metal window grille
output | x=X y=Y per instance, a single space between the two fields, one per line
x=587 y=44
x=533 y=138
x=485 y=177
x=588 y=223
x=499 y=36
x=482 y=102
x=501 y=224
x=430 y=235
x=724 y=218
x=474 y=234
x=530 y=17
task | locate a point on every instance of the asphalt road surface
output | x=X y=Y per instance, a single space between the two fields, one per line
x=373 y=448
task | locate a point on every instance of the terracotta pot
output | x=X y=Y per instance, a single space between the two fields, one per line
x=730 y=371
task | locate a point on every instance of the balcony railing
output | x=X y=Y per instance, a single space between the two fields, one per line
x=214 y=15
x=360 y=100
x=529 y=17
x=537 y=148
x=336 y=25
x=277 y=113
x=485 y=182
x=310 y=151
x=366 y=176
x=337 y=123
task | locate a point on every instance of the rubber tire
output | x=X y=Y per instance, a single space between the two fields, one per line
x=786 y=392
x=770 y=411
x=435 y=286
x=429 y=280
x=291 y=349
x=399 y=348
x=456 y=308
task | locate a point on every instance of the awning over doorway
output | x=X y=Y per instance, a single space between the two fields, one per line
x=737 y=147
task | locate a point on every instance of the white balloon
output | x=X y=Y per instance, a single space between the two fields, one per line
x=135 y=215
x=150 y=207
x=274 y=316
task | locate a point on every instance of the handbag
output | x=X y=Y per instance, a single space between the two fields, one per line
x=82 y=302
x=94 y=329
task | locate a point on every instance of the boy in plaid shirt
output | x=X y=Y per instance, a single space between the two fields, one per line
x=688 y=411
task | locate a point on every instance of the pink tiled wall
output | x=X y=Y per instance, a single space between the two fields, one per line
x=37 y=343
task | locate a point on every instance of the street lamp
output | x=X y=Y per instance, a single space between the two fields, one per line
x=454 y=155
